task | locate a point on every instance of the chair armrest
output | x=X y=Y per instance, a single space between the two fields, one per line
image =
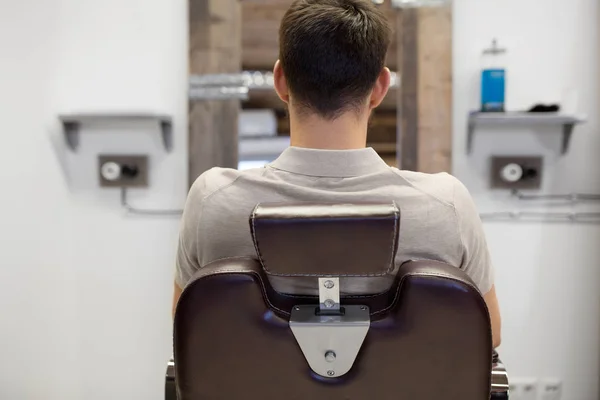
x=170 y=390
x=500 y=384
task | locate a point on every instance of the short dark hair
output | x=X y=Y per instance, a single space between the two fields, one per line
x=332 y=52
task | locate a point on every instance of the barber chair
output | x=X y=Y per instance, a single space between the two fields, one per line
x=362 y=329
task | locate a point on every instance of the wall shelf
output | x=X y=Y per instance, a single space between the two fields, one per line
x=568 y=123
x=72 y=125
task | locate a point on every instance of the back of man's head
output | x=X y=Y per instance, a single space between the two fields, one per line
x=332 y=52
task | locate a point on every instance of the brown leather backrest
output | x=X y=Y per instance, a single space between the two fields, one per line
x=429 y=339
x=358 y=240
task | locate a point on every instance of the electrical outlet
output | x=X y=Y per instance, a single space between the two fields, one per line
x=551 y=389
x=516 y=172
x=524 y=389
x=123 y=171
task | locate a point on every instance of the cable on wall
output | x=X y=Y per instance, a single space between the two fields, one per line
x=137 y=211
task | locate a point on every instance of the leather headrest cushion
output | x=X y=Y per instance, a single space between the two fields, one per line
x=326 y=239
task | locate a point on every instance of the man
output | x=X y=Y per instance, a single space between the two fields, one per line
x=331 y=74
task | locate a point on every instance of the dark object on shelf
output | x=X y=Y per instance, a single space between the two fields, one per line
x=545 y=108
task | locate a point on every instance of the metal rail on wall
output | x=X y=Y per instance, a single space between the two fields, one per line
x=238 y=86
x=543 y=217
x=569 y=197
x=549 y=216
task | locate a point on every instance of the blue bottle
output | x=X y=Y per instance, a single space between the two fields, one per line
x=493 y=79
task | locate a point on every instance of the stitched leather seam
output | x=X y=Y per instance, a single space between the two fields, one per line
x=255 y=239
x=394 y=239
x=401 y=283
x=242 y=271
x=383 y=310
x=466 y=282
x=373 y=275
x=355 y=296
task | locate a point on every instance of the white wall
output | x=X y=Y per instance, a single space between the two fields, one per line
x=85 y=290
x=548 y=276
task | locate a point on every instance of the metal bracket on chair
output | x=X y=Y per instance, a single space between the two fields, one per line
x=329 y=294
x=330 y=335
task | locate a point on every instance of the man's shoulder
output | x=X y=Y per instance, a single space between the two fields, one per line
x=217 y=179
x=440 y=187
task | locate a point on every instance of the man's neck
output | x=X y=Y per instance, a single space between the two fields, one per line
x=347 y=132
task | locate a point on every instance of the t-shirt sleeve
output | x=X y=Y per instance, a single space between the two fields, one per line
x=476 y=260
x=188 y=249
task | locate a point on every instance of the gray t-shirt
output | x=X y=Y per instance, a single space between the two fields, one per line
x=439 y=220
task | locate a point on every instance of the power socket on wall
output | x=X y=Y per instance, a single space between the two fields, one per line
x=551 y=389
x=123 y=171
x=516 y=172
x=524 y=389
x=534 y=389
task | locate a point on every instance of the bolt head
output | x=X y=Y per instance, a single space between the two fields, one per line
x=329 y=303
x=330 y=356
x=331 y=373
x=329 y=284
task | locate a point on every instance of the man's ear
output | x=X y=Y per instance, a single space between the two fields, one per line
x=381 y=88
x=280 y=82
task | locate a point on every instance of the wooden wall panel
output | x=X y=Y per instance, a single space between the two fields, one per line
x=424 y=38
x=435 y=89
x=214 y=48
x=408 y=95
x=260 y=33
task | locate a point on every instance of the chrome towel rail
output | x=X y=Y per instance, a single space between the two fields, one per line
x=544 y=217
x=570 y=197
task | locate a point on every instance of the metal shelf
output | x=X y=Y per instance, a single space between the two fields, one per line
x=72 y=125
x=568 y=123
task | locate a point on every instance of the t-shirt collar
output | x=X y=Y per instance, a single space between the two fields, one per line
x=329 y=163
